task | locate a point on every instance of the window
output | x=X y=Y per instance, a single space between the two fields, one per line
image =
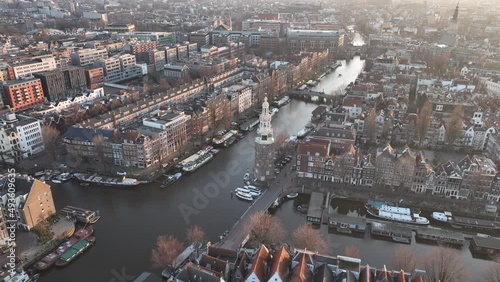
x=439 y=107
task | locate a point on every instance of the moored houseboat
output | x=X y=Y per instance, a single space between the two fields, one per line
x=392 y=213
x=460 y=222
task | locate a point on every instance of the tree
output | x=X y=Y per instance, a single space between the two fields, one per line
x=443 y=265
x=166 y=251
x=492 y=272
x=371 y=127
x=455 y=124
x=50 y=136
x=195 y=234
x=280 y=143
x=265 y=229
x=164 y=85
x=404 y=258
x=424 y=120
x=351 y=251
x=306 y=237
x=114 y=104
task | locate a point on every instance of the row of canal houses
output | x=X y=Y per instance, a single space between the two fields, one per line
x=400 y=169
x=265 y=265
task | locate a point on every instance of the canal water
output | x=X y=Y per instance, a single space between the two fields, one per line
x=132 y=218
x=341 y=77
x=374 y=252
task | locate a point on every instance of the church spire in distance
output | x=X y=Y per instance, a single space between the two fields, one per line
x=455 y=15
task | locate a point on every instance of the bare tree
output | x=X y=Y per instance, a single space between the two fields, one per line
x=404 y=258
x=351 y=251
x=265 y=229
x=424 y=120
x=455 y=124
x=279 y=144
x=306 y=237
x=443 y=265
x=371 y=125
x=166 y=251
x=114 y=104
x=492 y=272
x=195 y=234
x=50 y=136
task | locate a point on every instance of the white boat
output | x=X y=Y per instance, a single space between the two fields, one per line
x=65 y=176
x=57 y=181
x=197 y=160
x=283 y=101
x=460 y=222
x=106 y=180
x=253 y=193
x=244 y=196
x=21 y=277
x=222 y=140
x=440 y=216
x=292 y=195
x=393 y=213
x=304 y=131
x=171 y=179
x=246 y=177
x=274 y=111
x=401 y=239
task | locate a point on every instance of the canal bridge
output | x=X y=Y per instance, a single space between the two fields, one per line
x=312 y=96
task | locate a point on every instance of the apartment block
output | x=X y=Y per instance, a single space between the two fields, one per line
x=314 y=40
x=22 y=94
x=26 y=68
x=33 y=199
x=63 y=82
x=87 y=57
x=94 y=77
x=140 y=49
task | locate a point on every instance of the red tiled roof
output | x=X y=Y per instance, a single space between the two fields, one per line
x=301 y=272
x=401 y=277
x=281 y=263
x=351 y=101
x=131 y=135
x=259 y=263
x=418 y=278
x=366 y=275
x=314 y=146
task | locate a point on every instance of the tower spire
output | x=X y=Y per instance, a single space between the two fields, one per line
x=264 y=146
x=455 y=15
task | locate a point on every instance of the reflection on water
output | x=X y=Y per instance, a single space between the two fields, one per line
x=342 y=76
x=358 y=40
x=374 y=252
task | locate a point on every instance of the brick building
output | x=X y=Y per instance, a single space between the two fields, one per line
x=22 y=94
x=61 y=83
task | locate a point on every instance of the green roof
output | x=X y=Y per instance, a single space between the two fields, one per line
x=74 y=250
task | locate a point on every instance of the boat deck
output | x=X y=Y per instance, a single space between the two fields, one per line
x=440 y=235
x=474 y=222
x=355 y=224
x=390 y=229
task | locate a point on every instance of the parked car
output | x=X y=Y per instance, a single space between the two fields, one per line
x=121 y=173
x=277 y=171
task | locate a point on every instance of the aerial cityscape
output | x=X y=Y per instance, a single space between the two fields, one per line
x=249 y=141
